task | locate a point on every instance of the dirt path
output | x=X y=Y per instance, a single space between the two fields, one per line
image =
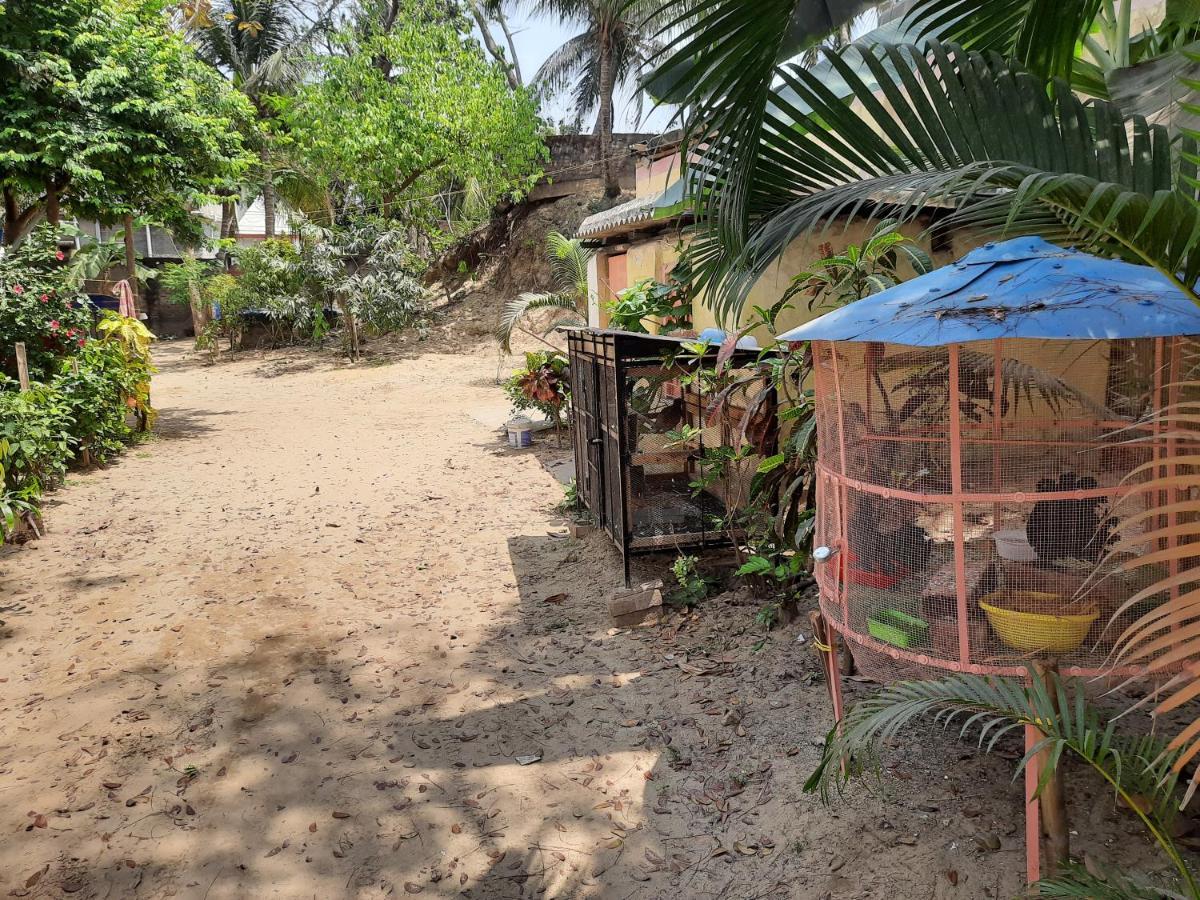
x=294 y=646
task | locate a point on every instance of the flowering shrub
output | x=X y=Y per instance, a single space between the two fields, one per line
x=85 y=388
x=38 y=307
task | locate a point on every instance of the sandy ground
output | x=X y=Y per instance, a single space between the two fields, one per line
x=294 y=646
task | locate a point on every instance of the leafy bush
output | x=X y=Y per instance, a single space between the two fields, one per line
x=92 y=393
x=35 y=446
x=37 y=307
x=84 y=407
x=542 y=384
x=365 y=269
x=383 y=293
x=650 y=299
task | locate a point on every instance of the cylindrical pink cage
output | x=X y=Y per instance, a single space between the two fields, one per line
x=968 y=492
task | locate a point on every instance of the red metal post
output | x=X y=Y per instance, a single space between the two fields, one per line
x=956 y=490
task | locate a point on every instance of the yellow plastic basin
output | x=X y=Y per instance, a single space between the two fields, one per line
x=1033 y=631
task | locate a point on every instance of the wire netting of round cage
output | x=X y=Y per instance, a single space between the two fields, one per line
x=978 y=432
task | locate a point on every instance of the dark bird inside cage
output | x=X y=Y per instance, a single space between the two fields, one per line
x=883 y=541
x=1067 y=528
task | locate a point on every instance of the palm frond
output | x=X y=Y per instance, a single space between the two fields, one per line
x=1161 y=542
x=564 y=65
x=517 y=309
x=1109 y=884
x=1041 y=35
x=258 y=44
x=568 y=263
x=1139 y=768
x=917 y=134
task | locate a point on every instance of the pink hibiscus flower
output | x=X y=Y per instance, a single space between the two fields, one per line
x=54 y=326
x=18 y=289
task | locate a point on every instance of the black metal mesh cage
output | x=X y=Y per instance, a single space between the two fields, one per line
x=666 y=437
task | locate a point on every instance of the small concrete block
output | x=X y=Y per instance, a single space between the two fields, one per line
x=578 y=529
x=636 y=606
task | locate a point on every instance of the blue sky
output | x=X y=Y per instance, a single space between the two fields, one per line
x=537 y=38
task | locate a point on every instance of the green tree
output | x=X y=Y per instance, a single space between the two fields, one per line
x=409 y=123
x=103 y=107
x=611 y=50
x=1002 y=139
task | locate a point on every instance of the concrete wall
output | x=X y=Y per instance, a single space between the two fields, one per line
x=653 y=175
x=573 y=169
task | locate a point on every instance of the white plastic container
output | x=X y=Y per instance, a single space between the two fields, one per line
x=520 y=431
x=1012 y=544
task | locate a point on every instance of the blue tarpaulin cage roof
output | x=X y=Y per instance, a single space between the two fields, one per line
x=1021 y=288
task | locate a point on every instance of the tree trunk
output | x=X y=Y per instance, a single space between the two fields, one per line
x=53 y=210
x=11 y=216
x=229 y=224
x=1053 y=802
x=268 y=192
x=494 y=49
x=131 y=261
x=604 y=121
x=512 y=47
x=200 y=314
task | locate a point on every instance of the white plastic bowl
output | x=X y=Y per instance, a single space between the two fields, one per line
x=1012 y=544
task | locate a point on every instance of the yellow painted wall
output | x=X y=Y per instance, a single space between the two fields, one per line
x=653 y=175
x=654 y=257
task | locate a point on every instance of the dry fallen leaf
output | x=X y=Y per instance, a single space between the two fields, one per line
x=312 y=826
x=556 y=598
x=456 y=828
x=341 y=815
x=37 y=876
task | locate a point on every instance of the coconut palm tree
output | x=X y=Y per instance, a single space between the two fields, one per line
x=611 y=50
x=260 y=47
x=568 y=269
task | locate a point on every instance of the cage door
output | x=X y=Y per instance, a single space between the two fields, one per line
x=589 y=461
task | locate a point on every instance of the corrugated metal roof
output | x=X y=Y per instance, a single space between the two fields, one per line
x=1022 y=288
x=620 y=218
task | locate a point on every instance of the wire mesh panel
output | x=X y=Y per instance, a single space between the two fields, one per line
x=970 y=492
x=679 y=436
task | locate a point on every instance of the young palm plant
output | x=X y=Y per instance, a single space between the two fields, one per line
x=568 y=270
x=1141 y=769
